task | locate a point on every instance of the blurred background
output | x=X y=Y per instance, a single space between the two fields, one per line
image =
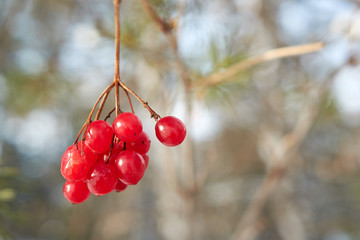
x=272 y=152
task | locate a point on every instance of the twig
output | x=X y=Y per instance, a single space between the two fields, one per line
x=109 y=114
x=130 y=102
x=166 y=29
x=117 y=54
x=220 y=77
x=145 y=104
x=107 y=90
x=101 y=107
x=160 y=23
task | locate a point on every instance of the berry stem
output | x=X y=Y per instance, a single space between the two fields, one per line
x=106 y=91
x=129 y=99
x=101 y=107
x=145 y=104
x=109 y=114
x=117 y=54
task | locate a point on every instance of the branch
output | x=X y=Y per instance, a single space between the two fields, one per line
x=220 y=77
x=166 y=29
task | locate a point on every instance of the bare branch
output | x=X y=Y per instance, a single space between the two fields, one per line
x=220 y=77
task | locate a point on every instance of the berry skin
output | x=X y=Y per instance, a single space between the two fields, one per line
x=120 y=186
x=130 y=167
x=102 y=179
x=90 y=155
x=76 y=192
x=170 y=131
x=146 y=159
x=99 y=136
x=127 y=127
x=117 y=148
x=74 y=165
x=142 y=145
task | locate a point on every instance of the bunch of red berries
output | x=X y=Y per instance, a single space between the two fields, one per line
x=109 y=158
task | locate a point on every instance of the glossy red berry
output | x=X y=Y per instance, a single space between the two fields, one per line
x=76 y=192
x=102 y=179
x=74 y=166
x=120 y=186
x=170 y=131
x=142 y=145
x=127 y=127
x=130 y=167
x=99 y=136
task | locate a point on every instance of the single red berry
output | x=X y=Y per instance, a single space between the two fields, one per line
x=127 y=127
x=120 y=186
x=74 y=166
x=99 y=136
x=130 y=167
x=108 y=156
x=76 y=192
x=146 y=159
x=102 y=179
x=170 y=131
x=142 y=145
x=90 y=155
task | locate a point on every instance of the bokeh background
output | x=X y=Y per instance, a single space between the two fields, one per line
x=272 y=153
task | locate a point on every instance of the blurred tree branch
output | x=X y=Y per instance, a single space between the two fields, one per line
x=222 y=76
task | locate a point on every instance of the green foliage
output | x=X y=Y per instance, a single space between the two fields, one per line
x=26 y=92
x=7 y=195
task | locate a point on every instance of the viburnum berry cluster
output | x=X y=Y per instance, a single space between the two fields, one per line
x=109 y=157
x=112 y=157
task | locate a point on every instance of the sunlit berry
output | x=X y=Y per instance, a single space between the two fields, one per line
x=170 y=131
x=102 y=179
x=127 y=127
x=74 y=166
x=130 y=167
x=99 y=136
x=76 y=192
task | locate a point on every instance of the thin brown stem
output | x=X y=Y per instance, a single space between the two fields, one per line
x=88 y=120
x=130 y=102
x=101 y=107
x=117 y=53
x=109 y=114
x=145 y=104
x=78 y=136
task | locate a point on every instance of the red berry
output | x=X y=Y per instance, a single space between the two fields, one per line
x=146 y=159
x=120 y=186
x=130 y=167
x=117 y=148
x=99 y=136
x=170 y=131
x=90 y=155
x=142 y=145
x=76 y=192
x=102 y=179
x=127 y=127
x=74 y=166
